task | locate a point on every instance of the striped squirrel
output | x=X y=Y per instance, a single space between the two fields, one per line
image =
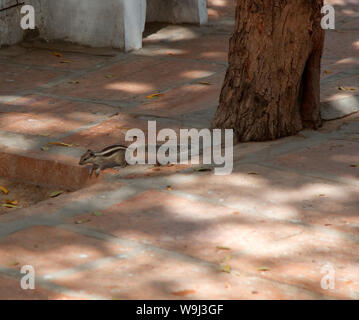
x=111 y=156
x=114 y=156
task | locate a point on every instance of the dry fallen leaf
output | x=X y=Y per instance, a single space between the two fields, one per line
x=56 y=193
x=263 y=269
x=65 y=61
x=154 y=96
x=206 y=83
x=354 y=165
x=12 y=202
x=183 y=293
x=169 y=188
x=57 y=54
x=74 y=82
x=328 y=72
x=222 y=248
x=4 y=190
x=59 y=144
x=82 y=221
x=346 y=89
x=225 y=268
x=108 y=76
x=10 y=206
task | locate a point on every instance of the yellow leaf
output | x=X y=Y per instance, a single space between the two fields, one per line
x=65 y=61
x=4 y=190
x=225 y=268
x=10 y=206
x=13 y=202
x=56 y=193
x=346 y=89
x=59 y=144
x=263 y=269
x=154 y=96
x=222 y=248
x=57 y=54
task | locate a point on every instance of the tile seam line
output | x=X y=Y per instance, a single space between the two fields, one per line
x=127 y=105
x=321 y=176
x=91 y=69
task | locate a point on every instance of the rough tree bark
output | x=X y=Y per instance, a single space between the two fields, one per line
x=272 y=88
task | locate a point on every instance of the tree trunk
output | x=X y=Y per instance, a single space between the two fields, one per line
x=272 y=85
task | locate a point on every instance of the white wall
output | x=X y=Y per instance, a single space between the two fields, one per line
x=84 y=21
x=10 y=31
x=99 y=23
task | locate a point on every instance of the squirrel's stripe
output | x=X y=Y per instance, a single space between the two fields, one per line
x=109 y=151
